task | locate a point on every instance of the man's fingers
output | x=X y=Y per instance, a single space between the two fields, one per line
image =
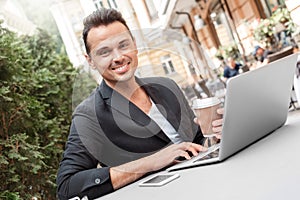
x=218 y=136
x=195 y=148
x=192 y=147
x=217 y=129
x=220 y=111
x=195 y=120
x=217 y=122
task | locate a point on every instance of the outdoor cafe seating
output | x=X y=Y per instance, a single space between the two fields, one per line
x=281 y=53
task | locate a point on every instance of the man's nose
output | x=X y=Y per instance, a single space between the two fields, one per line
x=117 y=54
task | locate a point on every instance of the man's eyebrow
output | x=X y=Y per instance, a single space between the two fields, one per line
x=98 y=51
x=102 y=48
x=124 y=40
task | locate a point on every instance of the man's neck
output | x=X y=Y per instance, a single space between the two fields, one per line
x=134 y=93
x=125 y=88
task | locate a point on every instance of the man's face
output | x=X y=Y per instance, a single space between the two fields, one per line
x=259 y=52
x=231 y=63
x=113 y=52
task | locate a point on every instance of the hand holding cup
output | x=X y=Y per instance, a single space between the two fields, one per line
x=209 y=116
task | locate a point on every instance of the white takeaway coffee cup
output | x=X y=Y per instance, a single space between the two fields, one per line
x=206 y=112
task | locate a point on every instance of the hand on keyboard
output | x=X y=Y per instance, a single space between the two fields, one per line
x=182 y=158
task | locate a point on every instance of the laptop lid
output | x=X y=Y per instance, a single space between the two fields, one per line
x=256 y=104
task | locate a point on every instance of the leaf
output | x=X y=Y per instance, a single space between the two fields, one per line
x=3 y=161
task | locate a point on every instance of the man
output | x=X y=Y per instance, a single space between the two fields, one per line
x=261 y=55
x=128 y=127
x=231 y=69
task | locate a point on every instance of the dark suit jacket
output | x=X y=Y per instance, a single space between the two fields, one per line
x=108 y=129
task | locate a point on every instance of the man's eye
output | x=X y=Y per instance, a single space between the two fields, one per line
x=124 y=45
x=105 y=52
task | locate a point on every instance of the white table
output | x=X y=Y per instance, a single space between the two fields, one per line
x=267 y=170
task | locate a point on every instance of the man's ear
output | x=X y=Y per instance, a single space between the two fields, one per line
x=90 y=61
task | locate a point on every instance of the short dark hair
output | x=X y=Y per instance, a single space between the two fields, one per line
x=255 y=50
x=100 y=17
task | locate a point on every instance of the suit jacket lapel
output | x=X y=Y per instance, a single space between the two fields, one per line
x=171 y=103
x=119 y=103
x=158 y=94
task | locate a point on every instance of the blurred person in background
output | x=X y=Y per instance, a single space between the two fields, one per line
x=231 y=69
x=261 y=55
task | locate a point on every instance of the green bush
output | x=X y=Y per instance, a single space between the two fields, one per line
x=35 y=113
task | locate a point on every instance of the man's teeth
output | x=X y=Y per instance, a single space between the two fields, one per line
x=120 y=68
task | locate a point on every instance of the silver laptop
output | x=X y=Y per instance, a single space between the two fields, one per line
x=256 y=104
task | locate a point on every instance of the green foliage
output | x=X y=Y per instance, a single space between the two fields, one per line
x=84 y=84
x=225 y=52
x=6 y=195
x=35 y=113
x=265 y=31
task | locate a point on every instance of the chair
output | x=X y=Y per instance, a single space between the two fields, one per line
x=245 y=68
x=293 y=100
x=280 y=54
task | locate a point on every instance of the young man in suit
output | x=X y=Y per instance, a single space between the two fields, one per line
x=128 y=127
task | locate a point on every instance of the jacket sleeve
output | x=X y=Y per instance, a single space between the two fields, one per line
x=78 y=174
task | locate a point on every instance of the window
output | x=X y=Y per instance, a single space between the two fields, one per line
x=112 y=4
x=271 y=5
x=105 y=3
x=222 y=27
x=98 y=4
x=165 y=5
x=167 y=64
x=153 y=14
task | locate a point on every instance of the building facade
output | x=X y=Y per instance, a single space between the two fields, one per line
x=14 y=18
x=230 y=22
x=158 y=55
x=176 y=38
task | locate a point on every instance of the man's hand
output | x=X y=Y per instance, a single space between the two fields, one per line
x=129 y=172
x=218 y=124
x=169 y=154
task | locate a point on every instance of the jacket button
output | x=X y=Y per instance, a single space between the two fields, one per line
x=97 y=180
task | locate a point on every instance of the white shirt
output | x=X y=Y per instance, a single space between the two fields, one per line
x=163 y=123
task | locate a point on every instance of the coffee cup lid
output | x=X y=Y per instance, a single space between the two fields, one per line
x=206 y=102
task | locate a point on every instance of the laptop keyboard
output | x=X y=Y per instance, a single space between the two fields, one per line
x=212 y=152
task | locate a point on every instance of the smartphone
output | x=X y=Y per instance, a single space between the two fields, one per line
x=159 y=180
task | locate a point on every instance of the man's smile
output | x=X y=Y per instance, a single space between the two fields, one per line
x=122 y=68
